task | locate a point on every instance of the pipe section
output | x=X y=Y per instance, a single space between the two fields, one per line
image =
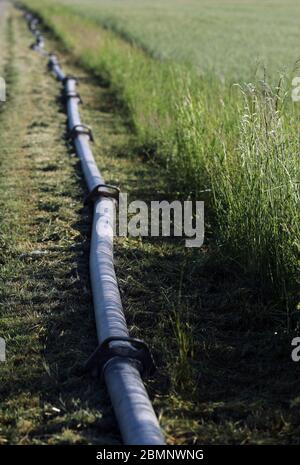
x=122 y=374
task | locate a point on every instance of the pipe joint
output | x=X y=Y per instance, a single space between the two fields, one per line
x=53 y=61
x=102 y=190
x=73 y=94
x=69 y=77
x=80 y=129
x=130 y=349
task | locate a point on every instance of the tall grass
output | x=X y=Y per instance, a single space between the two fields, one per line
x=256 y=191
x=242 y=144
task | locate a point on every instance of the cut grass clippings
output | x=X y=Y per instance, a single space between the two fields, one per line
x=46 y=316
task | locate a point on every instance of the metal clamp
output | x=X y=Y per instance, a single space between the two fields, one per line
x=138 y=351
x=53 y=61
x=73 y=94
x=69 y=77
x=102 y=190
x=34 y=46
x=80 y=129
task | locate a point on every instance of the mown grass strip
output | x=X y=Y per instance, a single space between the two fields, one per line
x=45 y=304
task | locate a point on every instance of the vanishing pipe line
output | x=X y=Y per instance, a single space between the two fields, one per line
x=122 y=369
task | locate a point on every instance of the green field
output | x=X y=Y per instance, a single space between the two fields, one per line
x=227 y=37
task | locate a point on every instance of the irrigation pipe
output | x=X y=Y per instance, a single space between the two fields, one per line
x=121 y=360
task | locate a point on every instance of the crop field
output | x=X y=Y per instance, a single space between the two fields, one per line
x=187 y=99
x=229 y=38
